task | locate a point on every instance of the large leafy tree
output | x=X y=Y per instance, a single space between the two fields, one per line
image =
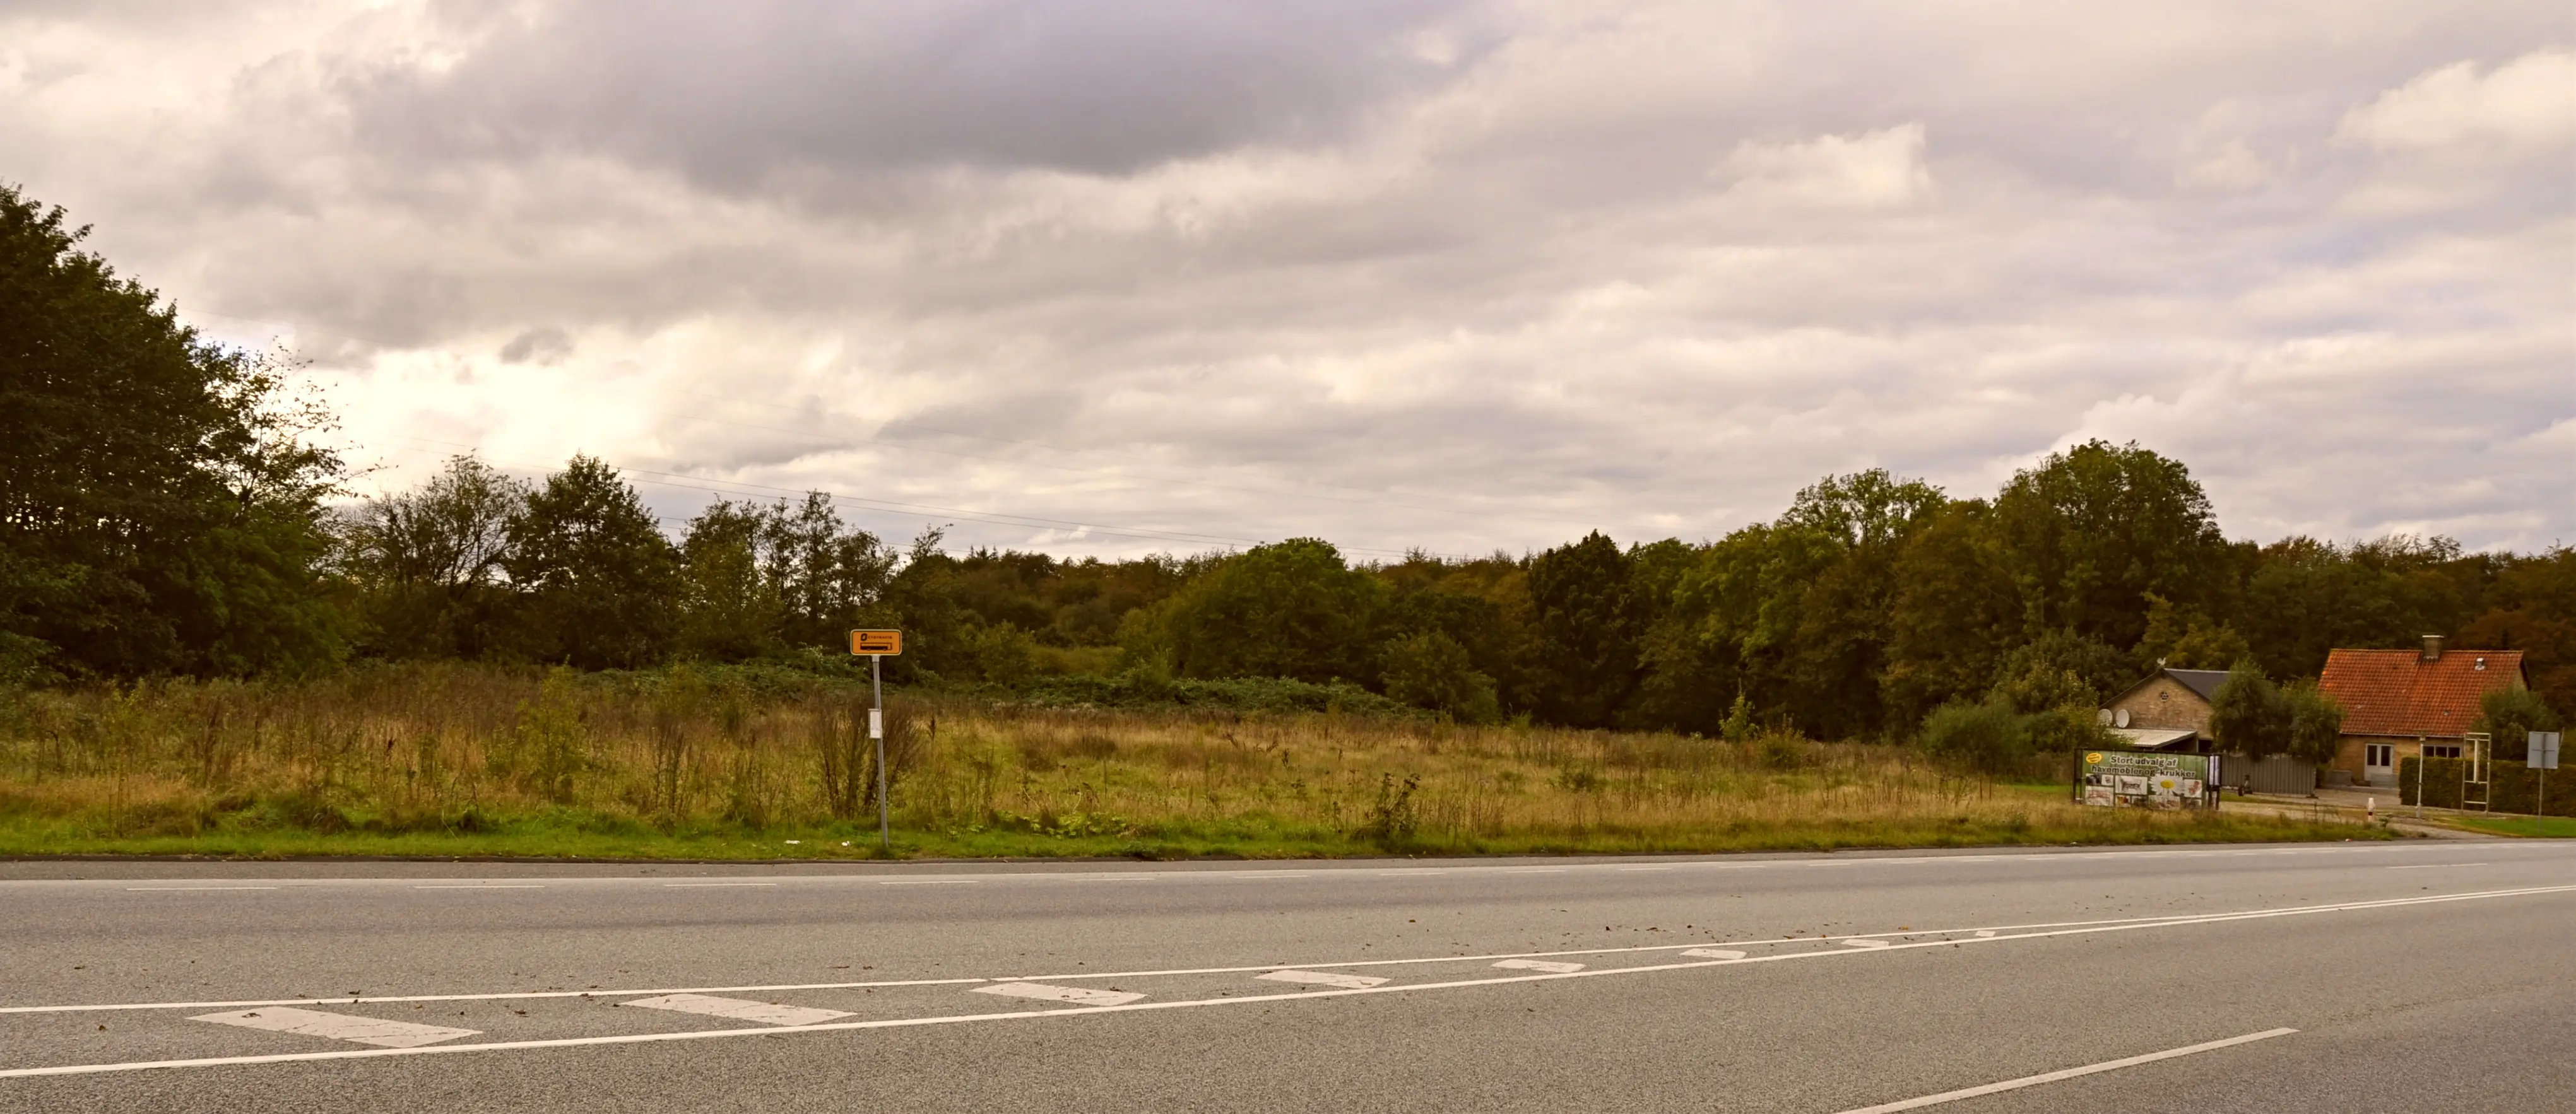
x=1587 y=626
x=2095 y=530
x=160 y=510
x=428 y=563
x=1289 y=609
x=601 y=584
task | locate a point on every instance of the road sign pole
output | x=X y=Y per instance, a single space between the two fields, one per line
x=876 y=731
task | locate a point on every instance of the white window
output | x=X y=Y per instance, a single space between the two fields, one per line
x=2437 y=750
x=2381 y=755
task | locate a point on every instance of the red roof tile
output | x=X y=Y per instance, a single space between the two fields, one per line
x=2397 y=692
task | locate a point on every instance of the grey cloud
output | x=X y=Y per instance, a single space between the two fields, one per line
x=739 y=93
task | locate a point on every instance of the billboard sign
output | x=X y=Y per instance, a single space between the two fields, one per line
x=2114 y=778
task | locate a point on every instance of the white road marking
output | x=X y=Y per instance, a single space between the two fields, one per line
x=486 y=886
x=150 y=889
x=337 y=1026
x=1715 y=953
x=1864 y=942
x=2437 y=866
x=1629 y=869
x=1082 y=996
x=702 y=885
x=1985 y=934
x=1323 y=978
x=1540 y=965
x=2069 y=1073
x=929 y=882
x=739 y=1009
x=1249 y=999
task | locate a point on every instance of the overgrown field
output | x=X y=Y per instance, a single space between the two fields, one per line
x=450 y=759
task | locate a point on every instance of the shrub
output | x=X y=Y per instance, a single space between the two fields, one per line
x=1431 y=670
x=1988 y=736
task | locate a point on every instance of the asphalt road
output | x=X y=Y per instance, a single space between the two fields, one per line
x=2410 y=976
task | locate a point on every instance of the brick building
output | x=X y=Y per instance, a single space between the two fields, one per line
x=2400 y=704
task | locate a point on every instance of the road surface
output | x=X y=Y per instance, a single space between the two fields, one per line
x=2337 y=977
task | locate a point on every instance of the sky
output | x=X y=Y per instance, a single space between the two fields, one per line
x=1126 y=277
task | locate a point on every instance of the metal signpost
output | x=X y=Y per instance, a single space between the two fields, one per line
x=876 y=646
x=2543 y=758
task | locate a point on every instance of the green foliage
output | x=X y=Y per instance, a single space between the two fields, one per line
x=601 y=584
x=1587 y=630
x=1431 y=670
x=2060 y=669
x=2250 y=716
x=2510 y=716
x=2096 y=530
x=1292 y=609
x=2183 y=638
x=160 y=511
x=427 y=564
x=2511 y=786
x=1987 y=736
x=2316 y=722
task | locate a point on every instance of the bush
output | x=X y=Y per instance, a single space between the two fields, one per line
x=2510 y=715
x=1431 y=670
x=1988 y=736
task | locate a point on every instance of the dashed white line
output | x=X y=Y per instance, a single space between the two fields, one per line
x=1053 y=993
x=2069 y=1073
x=1864 y=942
x=2437 y=866
x=1078 y=995
x=738 y=1009
x=1714 y=953
x=1540 y=965
x=1324 y=978
x=338 y=1026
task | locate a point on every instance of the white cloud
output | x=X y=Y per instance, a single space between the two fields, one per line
x=1872 y=170
x=2528 y=103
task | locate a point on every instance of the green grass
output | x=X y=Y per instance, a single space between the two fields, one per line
x=2544 y=827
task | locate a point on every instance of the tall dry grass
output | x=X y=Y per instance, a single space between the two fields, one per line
x=462 y=749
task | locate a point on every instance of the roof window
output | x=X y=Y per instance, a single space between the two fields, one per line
x=2482 y=663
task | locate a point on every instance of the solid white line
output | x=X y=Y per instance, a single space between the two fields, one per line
x=928 y=882
x=500 y=997
x=953 y=1019
x=2069 y=1073
x=143 y=889
x=485 y=886
x=2437 y=866
x=703 y=885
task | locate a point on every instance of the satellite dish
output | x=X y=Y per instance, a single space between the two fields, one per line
x=2120 y=718
x=2103 y=717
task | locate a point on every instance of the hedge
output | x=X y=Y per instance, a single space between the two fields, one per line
x=2512 y=786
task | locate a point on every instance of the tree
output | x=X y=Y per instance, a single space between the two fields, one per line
x=428 y=562
x=2183 y=638
x=1587 y=631
x=2316 y=723
x=1953 y=613
x=1431 y=670
x=1289 y=609
x=2094 y=530
x=601 y=583
x=2060 y=669
x=2249 y=716
x=730 y=610
x=2509 y=716
x=159 y=509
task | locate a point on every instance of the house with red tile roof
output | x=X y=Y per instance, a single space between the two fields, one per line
x=2400 y=704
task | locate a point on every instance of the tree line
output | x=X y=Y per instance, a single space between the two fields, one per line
x=162 y=511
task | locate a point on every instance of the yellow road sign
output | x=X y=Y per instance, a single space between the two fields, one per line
x=876 y=643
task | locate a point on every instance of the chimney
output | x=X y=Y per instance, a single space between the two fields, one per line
x=2432 y=647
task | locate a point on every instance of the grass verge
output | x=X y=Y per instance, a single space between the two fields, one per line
x=453 y=760
x=2543 y=827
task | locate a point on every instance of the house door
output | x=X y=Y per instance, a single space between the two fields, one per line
x=2379 y=763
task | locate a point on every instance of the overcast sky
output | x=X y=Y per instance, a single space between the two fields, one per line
x=1123 y=277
